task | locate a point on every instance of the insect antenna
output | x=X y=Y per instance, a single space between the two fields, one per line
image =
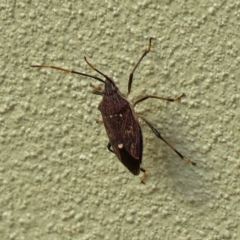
x=95 y=69
x=70 y=71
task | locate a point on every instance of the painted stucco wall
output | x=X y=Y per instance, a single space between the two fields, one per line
x=57 y=179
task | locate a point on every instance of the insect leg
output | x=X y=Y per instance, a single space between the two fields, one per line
x=162 y=98
x=155 y=131
x=141 y=58
x=109 y=147
x=144 y=176
x=97 y=92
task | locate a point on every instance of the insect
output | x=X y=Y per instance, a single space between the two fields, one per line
x=121 y=121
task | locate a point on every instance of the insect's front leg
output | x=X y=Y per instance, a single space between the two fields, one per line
x=97 y=89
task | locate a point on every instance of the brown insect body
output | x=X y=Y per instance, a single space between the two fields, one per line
x=122 y=127
x=121 y=122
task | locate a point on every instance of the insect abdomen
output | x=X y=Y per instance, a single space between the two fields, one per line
x=123 y=131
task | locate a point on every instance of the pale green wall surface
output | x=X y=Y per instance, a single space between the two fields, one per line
x=57 y=179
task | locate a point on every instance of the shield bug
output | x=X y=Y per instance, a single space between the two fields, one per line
x=121 y=121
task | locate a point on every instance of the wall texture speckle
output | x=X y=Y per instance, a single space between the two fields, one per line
x=57 y=179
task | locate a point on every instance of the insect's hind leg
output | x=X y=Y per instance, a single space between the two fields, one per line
x=109 y=147
x=144 y=176
x=155 y=131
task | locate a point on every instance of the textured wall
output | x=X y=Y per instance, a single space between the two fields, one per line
x=57 y=179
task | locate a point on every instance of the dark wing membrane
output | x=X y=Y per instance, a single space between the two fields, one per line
x=132 y=137
x=131 y=163
x=125 y=136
